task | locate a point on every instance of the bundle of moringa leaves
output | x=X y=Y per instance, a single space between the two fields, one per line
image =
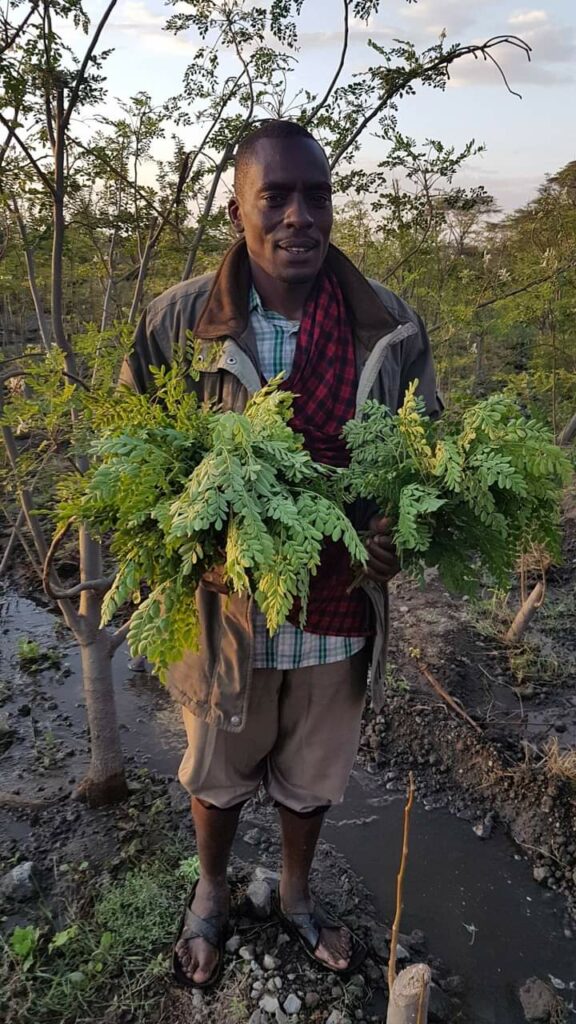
x=181 y=488
x=468 y=501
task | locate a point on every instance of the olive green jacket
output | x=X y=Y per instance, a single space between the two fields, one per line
x=392 y=349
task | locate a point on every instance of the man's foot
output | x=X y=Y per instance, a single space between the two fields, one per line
x=334 y=947
x=197 y=956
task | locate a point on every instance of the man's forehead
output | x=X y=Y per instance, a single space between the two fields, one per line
x=287 y=161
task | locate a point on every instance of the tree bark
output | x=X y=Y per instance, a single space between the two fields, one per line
x=105 y=782
x=568 y=433
x=410 y=995
x=32 y=282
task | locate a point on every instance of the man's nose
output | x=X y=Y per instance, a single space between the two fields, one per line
x=297 y=213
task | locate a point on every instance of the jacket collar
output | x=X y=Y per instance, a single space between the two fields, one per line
x=226 y=311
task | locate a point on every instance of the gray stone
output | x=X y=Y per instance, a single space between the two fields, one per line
x=256 y=1018
x=440 y=1006
x=401 y=953
x=269 y=962
x=260 y=896
x=538 y=1000
x=233 y=944
x=336 y=1017
x=18 y=884
x=311 y=999
x=541 y=873
x=197 y=1000
x=179 y=798
x=269 y=1004
x=292 y=1004
x=281 y=1017
x=246 y=952
x=253 y=837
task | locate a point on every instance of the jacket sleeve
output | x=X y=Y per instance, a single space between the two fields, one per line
x=146 y=351
x=421 y=368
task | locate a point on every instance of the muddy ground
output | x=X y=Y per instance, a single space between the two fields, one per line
x=503 y=775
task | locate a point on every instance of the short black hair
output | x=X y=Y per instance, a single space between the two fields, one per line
x=272 y=129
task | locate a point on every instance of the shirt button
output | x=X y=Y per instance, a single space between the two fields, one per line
x=235 y=720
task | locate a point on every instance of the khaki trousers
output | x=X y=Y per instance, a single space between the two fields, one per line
x=300 y=740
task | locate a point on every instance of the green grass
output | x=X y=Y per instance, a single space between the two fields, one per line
x=108 y=957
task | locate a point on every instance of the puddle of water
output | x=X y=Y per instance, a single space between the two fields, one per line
x=479 y=907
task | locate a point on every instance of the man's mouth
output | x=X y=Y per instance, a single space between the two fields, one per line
x=298 y=247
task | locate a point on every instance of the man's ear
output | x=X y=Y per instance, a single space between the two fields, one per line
x=235 y=215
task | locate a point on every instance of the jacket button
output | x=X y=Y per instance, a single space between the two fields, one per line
x=231 y=360
x=235 y=720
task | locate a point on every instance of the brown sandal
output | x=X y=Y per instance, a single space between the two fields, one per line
x=213 y=929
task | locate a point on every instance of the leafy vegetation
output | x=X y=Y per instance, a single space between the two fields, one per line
x=184 y=489
x=469 y=501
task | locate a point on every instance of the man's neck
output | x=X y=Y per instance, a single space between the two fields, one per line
x=287 y=299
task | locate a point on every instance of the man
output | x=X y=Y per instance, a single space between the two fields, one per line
x=282 y=710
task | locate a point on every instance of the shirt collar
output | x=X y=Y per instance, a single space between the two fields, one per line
x=255 y=306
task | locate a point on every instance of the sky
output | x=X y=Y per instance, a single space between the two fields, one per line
x=525 y=138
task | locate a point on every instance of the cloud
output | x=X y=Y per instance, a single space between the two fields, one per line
x=139 y=25
x=453 y=16
x=523 y=18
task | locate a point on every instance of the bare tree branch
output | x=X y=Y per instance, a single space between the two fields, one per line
x=403 y=79
x=57 y=593
x=84 y=65
x=338 y=72
x=12 y=134
x=4 y=47
x=119 y=636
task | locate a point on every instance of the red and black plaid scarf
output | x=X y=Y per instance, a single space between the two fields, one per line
x=324 y=381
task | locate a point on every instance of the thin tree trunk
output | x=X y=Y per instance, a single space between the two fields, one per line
x=43 y=325
x=568 y=432
x=110 y=281
x=410 y=996
x=203 y=222
x=105 y=782
x=142 y=273
x=11 y=543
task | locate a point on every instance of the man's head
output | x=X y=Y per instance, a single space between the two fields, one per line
x=283 y=201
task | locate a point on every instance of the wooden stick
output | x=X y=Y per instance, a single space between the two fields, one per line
x=526 y=613
x=439 y=689
x=410 y=995
x=400 y=886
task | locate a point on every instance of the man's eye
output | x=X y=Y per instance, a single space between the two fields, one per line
x=274 y=198
x=321 y=199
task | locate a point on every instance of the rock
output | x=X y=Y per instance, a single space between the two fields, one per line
x=179 y=798
x=454 y=985
x=269 y=962
x=18 y=884
x=253 y=837
x=197 y=1000
x=233 y=944
x=440 y=1006
x=256 y=1018
x=311 y=999
x=547 y=804
x=541 y=873
x=281 y=1017
x=401 y=953
x=538 y=1000
x=246 y=952
x=336 y=1017
x=260 y=897
x=292 y=1004
x=269 y=1004
x=278 y=982
x=483 y=829
x=416 y=940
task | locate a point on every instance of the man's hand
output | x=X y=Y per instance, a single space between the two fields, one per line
x=383 y=561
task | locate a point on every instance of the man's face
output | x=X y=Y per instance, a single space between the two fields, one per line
x=285 y=208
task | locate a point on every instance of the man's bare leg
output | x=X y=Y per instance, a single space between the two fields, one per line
x=215 y=831
x=299 y=839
